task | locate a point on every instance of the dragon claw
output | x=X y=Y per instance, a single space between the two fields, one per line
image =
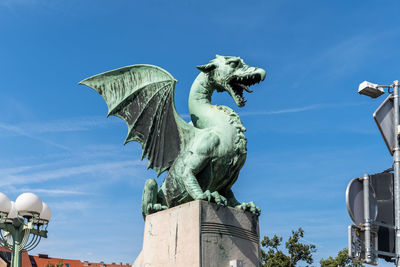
x=219 y=199
x=249 y=206
x=152 y=208
x=207 y=195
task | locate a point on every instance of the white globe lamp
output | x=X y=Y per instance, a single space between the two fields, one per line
x=13 y=212
x=45 y=214
x=5 y=204
x=28 y=205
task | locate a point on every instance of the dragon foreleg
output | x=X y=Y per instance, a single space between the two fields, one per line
x=188 y=165
x=150 y=198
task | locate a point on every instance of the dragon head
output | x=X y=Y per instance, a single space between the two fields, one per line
x=231 y=74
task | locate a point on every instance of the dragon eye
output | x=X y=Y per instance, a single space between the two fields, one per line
x=234 y=64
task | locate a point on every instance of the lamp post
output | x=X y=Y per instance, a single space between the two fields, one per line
x=374 y=91
x=22 y=224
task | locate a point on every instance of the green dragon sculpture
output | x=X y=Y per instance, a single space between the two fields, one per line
x=203 y=157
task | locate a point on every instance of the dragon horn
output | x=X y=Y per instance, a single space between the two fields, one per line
x=207 y=67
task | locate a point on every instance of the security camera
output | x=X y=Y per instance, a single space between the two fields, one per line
x=370 y=89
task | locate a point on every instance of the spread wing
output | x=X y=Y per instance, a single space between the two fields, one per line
x=143 y=96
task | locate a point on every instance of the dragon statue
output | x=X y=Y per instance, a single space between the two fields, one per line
x=203 y=158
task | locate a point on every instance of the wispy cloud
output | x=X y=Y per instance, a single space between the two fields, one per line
x=19 y=169
x=68 y=125
x=346 y=56
x=299 y=109
x=62 y=125
x=14 y=4
x=71 y=205
x=20 y=131
x=109 y=168
x=280 y=111
x=53 y=192
x=33 y=130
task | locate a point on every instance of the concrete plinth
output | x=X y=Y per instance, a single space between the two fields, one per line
x=200 y=234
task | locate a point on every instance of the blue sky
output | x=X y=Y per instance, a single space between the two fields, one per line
x=309 y=131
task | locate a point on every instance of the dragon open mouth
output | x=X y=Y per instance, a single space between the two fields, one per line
x=239 y=84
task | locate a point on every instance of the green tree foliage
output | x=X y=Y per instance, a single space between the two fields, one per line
x=342 y=259
x=59 y=264
x=296 y=251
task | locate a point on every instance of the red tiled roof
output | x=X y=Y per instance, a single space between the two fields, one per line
x=101 y=264
x=26 y=262
x=41 y=262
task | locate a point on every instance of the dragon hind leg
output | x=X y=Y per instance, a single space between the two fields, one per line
x=151 y=198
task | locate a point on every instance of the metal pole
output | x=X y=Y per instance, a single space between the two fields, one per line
x=16 y=258
x=396 y=169
x=367 y=220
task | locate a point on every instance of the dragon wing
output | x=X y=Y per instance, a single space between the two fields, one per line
x=143 y=96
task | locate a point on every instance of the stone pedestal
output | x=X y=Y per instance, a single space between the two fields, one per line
x=200 y=234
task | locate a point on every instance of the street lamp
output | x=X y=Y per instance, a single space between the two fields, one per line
x=374 y=91
x=370 y=89
x=22 y=224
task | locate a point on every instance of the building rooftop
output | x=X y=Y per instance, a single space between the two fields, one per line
x=42 y=260
x=5 y=254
